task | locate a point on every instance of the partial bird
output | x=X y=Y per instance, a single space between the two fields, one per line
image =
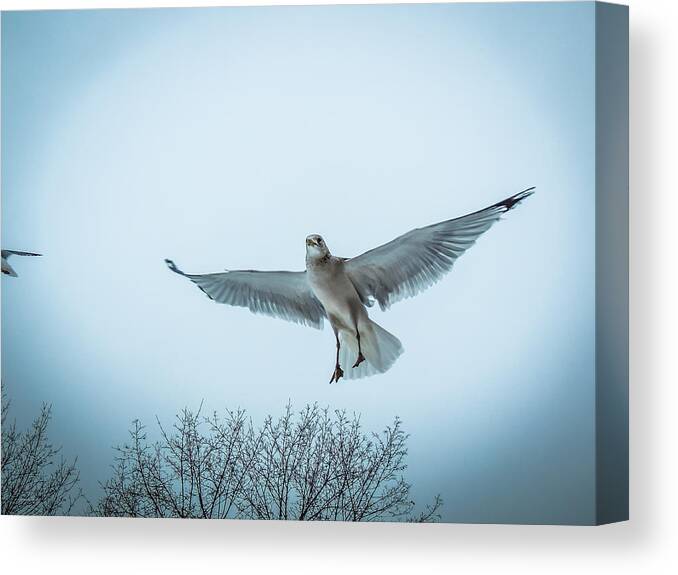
x=8 y=269
x=341 y=289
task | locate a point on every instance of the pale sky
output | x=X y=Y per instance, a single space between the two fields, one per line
x=220 y=138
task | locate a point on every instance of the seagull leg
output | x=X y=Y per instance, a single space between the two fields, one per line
x=361 y=357
x=338 y=372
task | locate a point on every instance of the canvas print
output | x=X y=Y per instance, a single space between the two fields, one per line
x=349 y=263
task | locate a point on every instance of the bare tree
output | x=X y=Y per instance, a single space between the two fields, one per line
x=186 y=474
x=35 y=480
x=314 y=465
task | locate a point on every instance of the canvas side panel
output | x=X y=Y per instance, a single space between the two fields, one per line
x=612 y=263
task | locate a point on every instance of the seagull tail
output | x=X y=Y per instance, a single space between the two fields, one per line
x=380 y=348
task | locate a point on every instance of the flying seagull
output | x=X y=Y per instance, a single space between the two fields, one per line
x=341 y=289
x=8 y=269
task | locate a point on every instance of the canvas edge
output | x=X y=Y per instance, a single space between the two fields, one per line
x=612 y=263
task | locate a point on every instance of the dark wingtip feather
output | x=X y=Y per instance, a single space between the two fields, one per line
x=171 y=265
x=509 y=203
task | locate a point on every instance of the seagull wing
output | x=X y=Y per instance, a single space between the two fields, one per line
x=281 y=294
x=413 y=262
x=7 y=253
x=8 y=269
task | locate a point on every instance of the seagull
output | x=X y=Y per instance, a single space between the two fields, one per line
x=341 y=289
x=8 y=269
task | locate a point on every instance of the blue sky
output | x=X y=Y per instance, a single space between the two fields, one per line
x=221 y=138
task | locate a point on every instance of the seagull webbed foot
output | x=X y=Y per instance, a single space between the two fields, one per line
x=360 y=359
x=338 y=373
